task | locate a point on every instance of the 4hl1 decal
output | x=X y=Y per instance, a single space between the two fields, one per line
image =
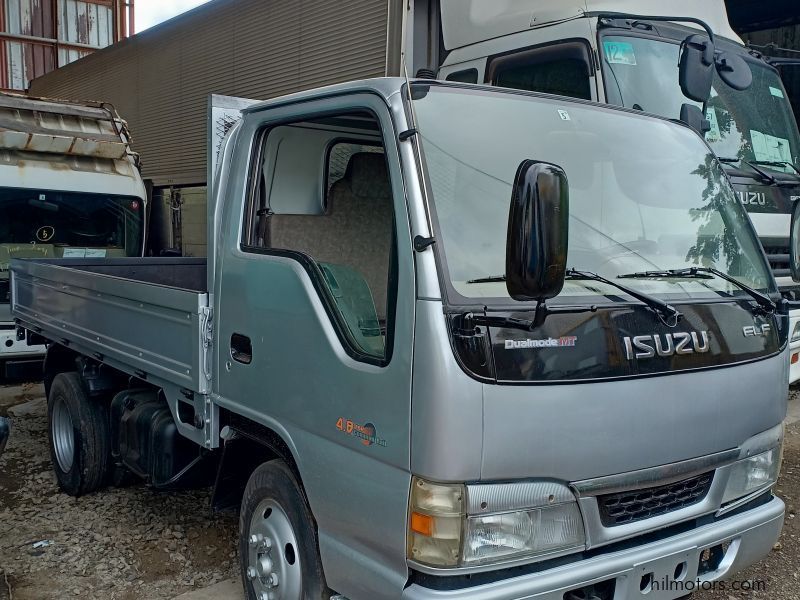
x=366 y=433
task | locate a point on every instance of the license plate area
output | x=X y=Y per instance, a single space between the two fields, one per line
x=664 y=578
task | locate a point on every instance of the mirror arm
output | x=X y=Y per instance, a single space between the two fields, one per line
x=633 y=17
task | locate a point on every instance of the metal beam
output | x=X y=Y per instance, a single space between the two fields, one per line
x=41 y=41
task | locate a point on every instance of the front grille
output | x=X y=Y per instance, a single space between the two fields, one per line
x=778 y=257
x=637 y=505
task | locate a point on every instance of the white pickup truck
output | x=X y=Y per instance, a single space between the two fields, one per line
x=69 y=187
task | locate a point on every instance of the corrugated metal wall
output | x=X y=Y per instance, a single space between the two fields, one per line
x=159 y=80
x=37 y=36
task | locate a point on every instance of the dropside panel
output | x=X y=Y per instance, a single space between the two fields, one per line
x=151 y=330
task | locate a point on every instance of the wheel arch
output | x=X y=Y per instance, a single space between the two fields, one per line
x=58 y=359
x=247 y=445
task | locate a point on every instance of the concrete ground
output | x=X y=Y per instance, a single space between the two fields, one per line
x=134 y=543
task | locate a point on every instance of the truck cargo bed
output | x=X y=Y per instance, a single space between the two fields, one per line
x=146 y=316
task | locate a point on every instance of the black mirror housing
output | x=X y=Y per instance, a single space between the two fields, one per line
x=734 y=71
x=794 y=243
x=697 y=68
x=538 y=232
x=693 y=116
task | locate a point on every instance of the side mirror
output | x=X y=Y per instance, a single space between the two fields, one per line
x=538 y=232
x=794 y=243
x=734 y=71
x=697 y=68
x=693 y=116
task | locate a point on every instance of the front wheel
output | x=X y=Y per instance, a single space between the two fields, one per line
x=278 y=549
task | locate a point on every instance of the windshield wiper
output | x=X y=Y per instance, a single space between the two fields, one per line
x=763 y=300
x=765 y=177
x=777 y=163
x=492 y=279
x=472 y=319
x=668 y=314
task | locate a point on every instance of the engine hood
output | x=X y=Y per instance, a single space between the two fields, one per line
x=575 y=432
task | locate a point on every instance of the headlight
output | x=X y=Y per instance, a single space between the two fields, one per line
x=443 y=534
x=752 y=474
x=796 y=332
x=523 y=533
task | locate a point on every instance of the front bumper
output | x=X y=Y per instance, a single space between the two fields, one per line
x=794 y=349
x=749 y=536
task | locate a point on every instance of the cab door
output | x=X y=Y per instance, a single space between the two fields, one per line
x=315 y=309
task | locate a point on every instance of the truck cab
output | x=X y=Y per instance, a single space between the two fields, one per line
x=609 y=51
x=69 y=187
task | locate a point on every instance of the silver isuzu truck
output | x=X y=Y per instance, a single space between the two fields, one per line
x=452 y=342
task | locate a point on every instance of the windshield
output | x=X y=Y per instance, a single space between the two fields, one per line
x=756 y=125
x=645 y=194
x=53 y=224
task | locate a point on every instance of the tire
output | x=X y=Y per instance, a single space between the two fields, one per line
x=274 y=507
x=80 y=444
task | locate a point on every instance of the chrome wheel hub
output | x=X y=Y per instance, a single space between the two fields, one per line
x=63 y=435
x=274 y=568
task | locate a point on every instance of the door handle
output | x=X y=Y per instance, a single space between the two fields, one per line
x=241 y=349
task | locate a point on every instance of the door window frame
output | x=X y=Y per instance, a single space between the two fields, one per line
x=309 y=265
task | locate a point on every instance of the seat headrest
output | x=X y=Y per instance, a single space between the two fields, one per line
x=368 y=176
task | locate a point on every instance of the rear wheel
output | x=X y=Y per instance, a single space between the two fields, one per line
x=79 y=436
x=278 y=549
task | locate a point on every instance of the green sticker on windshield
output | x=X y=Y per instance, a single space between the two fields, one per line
x=619 y=53
x=715 y=133
x=777 y=92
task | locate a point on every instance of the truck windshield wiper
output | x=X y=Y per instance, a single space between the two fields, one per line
x=492 y=279
x=765 y=177
x=754 y=165
x=763 y=300
x=668 y=314
x=777 y=163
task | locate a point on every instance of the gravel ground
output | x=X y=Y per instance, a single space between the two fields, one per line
x=134 y=543
x=123 y=544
